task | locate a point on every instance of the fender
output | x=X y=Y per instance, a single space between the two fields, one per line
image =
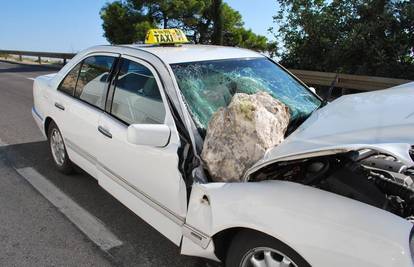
x=324 y=228
x=41 y=95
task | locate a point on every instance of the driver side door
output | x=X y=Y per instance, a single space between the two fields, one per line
x=145 y=178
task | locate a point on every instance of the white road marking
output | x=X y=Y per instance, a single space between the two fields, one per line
x=86 y=222
x=31 y=78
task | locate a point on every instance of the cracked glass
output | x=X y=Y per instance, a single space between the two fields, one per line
x=210 y=85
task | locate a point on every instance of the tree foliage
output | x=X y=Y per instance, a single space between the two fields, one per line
x=371 y=37
x=204 y=21
x=217 y=35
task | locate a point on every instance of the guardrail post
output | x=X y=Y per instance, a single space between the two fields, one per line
x=20 y=57
x=39 y=59
x=64 y=61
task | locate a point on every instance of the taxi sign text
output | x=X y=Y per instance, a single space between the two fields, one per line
x=165 y=36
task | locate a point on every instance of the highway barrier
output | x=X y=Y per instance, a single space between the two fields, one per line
x=314 y=78
x=39 y=55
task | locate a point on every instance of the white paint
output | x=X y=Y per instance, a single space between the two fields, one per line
x=30 y=78
x=324 y=228
x=78 y=123
x=381 y=119
x=190 y=53
x=156 y=135
x=86 y=222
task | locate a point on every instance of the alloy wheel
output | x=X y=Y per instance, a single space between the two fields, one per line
x=57 y=147
x=266 y=257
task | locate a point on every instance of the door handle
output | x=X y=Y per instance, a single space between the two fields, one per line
x=104 y=131
x=59 y=106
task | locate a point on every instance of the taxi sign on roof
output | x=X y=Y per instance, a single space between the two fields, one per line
x=165 y=36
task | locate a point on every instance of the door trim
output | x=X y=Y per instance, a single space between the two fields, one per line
x=124 y=183
x=80 y=151
x=192 y=233
x=141 y=195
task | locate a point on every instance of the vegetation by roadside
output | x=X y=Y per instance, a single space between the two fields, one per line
x=203 y=21
x=363 y=37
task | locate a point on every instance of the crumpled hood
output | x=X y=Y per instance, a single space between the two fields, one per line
x=382 y=119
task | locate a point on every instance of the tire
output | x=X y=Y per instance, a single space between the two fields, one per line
x=248 y=246
x=58 y=151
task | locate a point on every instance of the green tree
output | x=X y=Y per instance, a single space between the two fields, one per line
x=235 y=34
x=204 y=21
x=217 y=36
x=121 y=26
x=371 y=37
x=128 y=21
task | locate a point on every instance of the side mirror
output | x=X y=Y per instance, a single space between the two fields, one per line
x=313 y=90
x=157 y=135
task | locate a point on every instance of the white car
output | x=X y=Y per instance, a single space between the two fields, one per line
x=337 y=192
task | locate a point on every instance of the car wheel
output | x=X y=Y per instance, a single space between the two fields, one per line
x=253 y=249
x=58 y=150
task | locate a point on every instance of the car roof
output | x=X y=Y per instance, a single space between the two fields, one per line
x=191 y=53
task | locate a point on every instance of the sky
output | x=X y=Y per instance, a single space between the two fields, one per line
x=73 y=25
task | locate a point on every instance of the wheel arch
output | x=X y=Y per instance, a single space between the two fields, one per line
x=48 y=120
x=223 y=239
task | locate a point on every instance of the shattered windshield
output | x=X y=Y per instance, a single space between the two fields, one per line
x=209 y=85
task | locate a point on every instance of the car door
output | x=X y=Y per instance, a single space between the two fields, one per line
x=82 y=111
x=145 y=178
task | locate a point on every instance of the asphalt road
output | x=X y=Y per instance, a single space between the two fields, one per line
x=33 y=231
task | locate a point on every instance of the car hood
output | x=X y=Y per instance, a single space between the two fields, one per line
x=382 y=120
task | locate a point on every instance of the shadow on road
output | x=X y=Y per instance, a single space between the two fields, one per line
x=143 y=246
x=16 y=67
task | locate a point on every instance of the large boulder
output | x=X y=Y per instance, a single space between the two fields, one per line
x=239 y=135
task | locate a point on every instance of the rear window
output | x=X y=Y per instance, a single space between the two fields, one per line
x=68 y=84
x=92 y=83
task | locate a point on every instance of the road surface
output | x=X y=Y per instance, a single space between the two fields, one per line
x=49 y=219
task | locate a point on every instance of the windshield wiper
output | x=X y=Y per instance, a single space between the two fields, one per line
x=330 y=90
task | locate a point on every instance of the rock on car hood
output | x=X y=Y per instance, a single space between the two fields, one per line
x=382 y=120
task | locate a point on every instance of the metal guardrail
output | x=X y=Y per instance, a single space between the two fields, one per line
x=39 y=55
x=358 y=82
x=347 y=81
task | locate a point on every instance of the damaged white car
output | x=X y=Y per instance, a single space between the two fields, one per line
x=337 y=191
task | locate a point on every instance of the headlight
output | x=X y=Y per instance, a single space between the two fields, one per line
x=412 y=153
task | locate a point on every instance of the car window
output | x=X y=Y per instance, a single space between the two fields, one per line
x=210 y=85
x=92 y=82
x=68 y=84
x=137 y=98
